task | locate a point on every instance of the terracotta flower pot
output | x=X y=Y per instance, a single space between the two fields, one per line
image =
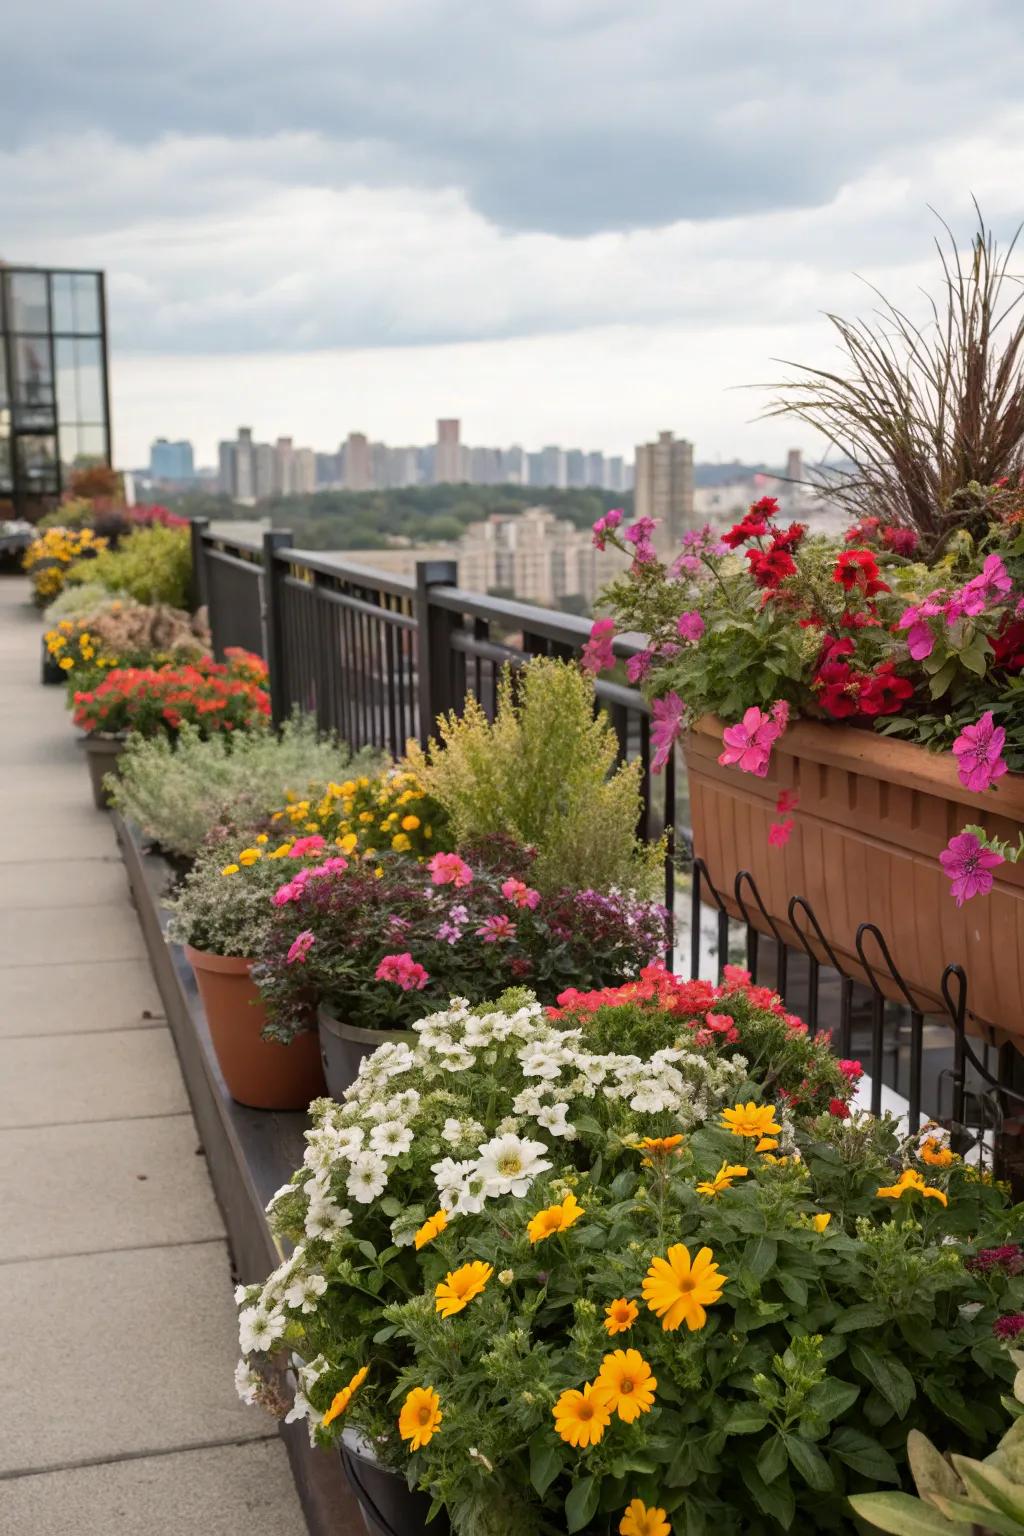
x=101 y=756
x=874 y=814
x=343 y=1046
x=260 y=1073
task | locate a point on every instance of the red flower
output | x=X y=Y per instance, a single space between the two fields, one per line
x=901 y=541
x=791 y=538
x=884 y=693
x=1008 y=647
x=858 y=569
x=838 y=687
x=768 y=570
x=754 y=525
x=839 y=1108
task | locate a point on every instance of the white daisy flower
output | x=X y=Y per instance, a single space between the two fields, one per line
x=391 y=1137
x=367 y=1178
x=509 y=1164
x=305 y=1292
x=247 y=1383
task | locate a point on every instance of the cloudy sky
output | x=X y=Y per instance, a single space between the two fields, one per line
x=562 y=220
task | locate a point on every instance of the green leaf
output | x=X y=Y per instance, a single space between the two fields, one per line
x=581 y=1504
x=383 y=1334
x=864 y=1315
x=545 y=1460
x=832 y=1397
x=943 y=677
x=793 y=1287
x=901 y=1515
x=746 y=1419
x=759 y=1256
x=367 y=1249
x=775 y=1500
x=887 y=1375
x=771 y=1458
x=864 y=1455
x=810 y=1464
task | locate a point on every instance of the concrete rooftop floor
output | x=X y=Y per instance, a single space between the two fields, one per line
x=118 y=1342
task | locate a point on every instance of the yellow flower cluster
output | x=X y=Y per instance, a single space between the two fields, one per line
x=73 y=645
x=250 y=856
x=49 y=555
x=364 y=815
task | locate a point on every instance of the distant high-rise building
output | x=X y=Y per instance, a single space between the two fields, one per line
x=553 y=467
x=664 y=487
x=515 y=468
x=328 y=471
x=171 y=461
x=245 y=466
x=795 y=466
x=485 y=466
x=448 y=467
x=303 y=472
x=596 y=470
x=264 y=471
x=615 y=473
x=357 y=469
x=575 y=468
x=284 y=466
x=226 y=468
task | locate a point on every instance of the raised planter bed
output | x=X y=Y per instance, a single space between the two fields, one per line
x=874 y=815
x=250 y=1153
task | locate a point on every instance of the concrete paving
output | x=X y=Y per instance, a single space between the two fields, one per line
x=119 y=1339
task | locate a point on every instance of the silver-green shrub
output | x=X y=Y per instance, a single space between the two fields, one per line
x=176 y=792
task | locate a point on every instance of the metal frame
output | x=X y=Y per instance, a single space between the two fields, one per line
x=21 y=494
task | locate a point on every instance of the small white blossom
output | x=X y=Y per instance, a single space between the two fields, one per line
x=391 y=1137
x=509 y=1164
x=367 y=1178
x=247 y=1383
x=305 y=1292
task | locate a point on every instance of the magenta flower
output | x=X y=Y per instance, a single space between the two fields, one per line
x=449 y=869
x=520 y=894
x=690 y=626
x=666 y=724
x=1009 y=1326
x=969 y=865
x=301 y=946
x=305 y=845
x=779 y=832
x=992 y=583
x=787 y=800
x=496 y=930
x=598 y=655
x=292 y=891
x=920 y=640
x=780 y=714
x=688 y=563
x=638 y=666
x=404 y=971
x=639 y=535
x=749 y=744
x=851 y=1070
x=978 y=752
x=605 y=525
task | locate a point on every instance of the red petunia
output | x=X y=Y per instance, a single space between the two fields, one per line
x=771 y=568
x=884 y=692
x=857 y=569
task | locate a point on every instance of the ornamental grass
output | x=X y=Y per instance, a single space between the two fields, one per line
x=519 y=1271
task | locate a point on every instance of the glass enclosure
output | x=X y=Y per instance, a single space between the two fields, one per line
x=54 y=399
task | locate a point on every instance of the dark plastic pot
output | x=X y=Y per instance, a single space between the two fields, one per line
x=389 y=1506
x=343 y=1046
x=50 y=673
x=101 y=755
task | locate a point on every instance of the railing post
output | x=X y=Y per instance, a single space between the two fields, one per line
x=200 y=591
x=434 y=656
x=273 y=621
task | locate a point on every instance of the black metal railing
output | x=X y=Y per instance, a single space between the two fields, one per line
x=378 y=657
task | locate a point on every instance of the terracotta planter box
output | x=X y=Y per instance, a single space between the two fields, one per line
x=260 y=1073
x=873 y=817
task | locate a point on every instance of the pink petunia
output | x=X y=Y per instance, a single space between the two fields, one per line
x=305 y=845
x=496 y=930
x=978 y=752
x=690 y=626
x=735 y=976
x=920 y=640
x=722 y=1024
x=787 y=800
x=520 y=894
x=851 y=1070
x=301 y=946
x=969 y=865
x=666 y=725
x=639 y=535
x=779 y=832
x=749 y=744
x=638 y=666
x=598 y=655
x=404 y=971
x=606 y=525
x=449 y=869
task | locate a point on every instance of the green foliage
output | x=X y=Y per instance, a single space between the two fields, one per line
x=545 y=773
x=938 y=732
x=179 y=792
x=226 y=913
x=82 y=601
x=987 y=1496
x=153 y=565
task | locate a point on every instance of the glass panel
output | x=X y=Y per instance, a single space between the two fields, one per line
x=92 y=443
x=63 y=306
x=33 y=378
x=5 y=462
x=37 y=462
x=91 y=404
x=68 y=446
x=87 y=302
x=29 y=305
x=67 y=391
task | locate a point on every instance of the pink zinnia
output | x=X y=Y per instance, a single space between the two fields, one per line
x=301 y=947
x=605 y=525
x=779 y=833
x=666 y=724
x=851 y=1070
x=598 y=655
x=969 y=865
x=749 y=744
x=520 y=894
x=286 y=893
x=404 y=971
x=690 y=626
x=449 y=869
x=495 y=930
x=978 y=752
